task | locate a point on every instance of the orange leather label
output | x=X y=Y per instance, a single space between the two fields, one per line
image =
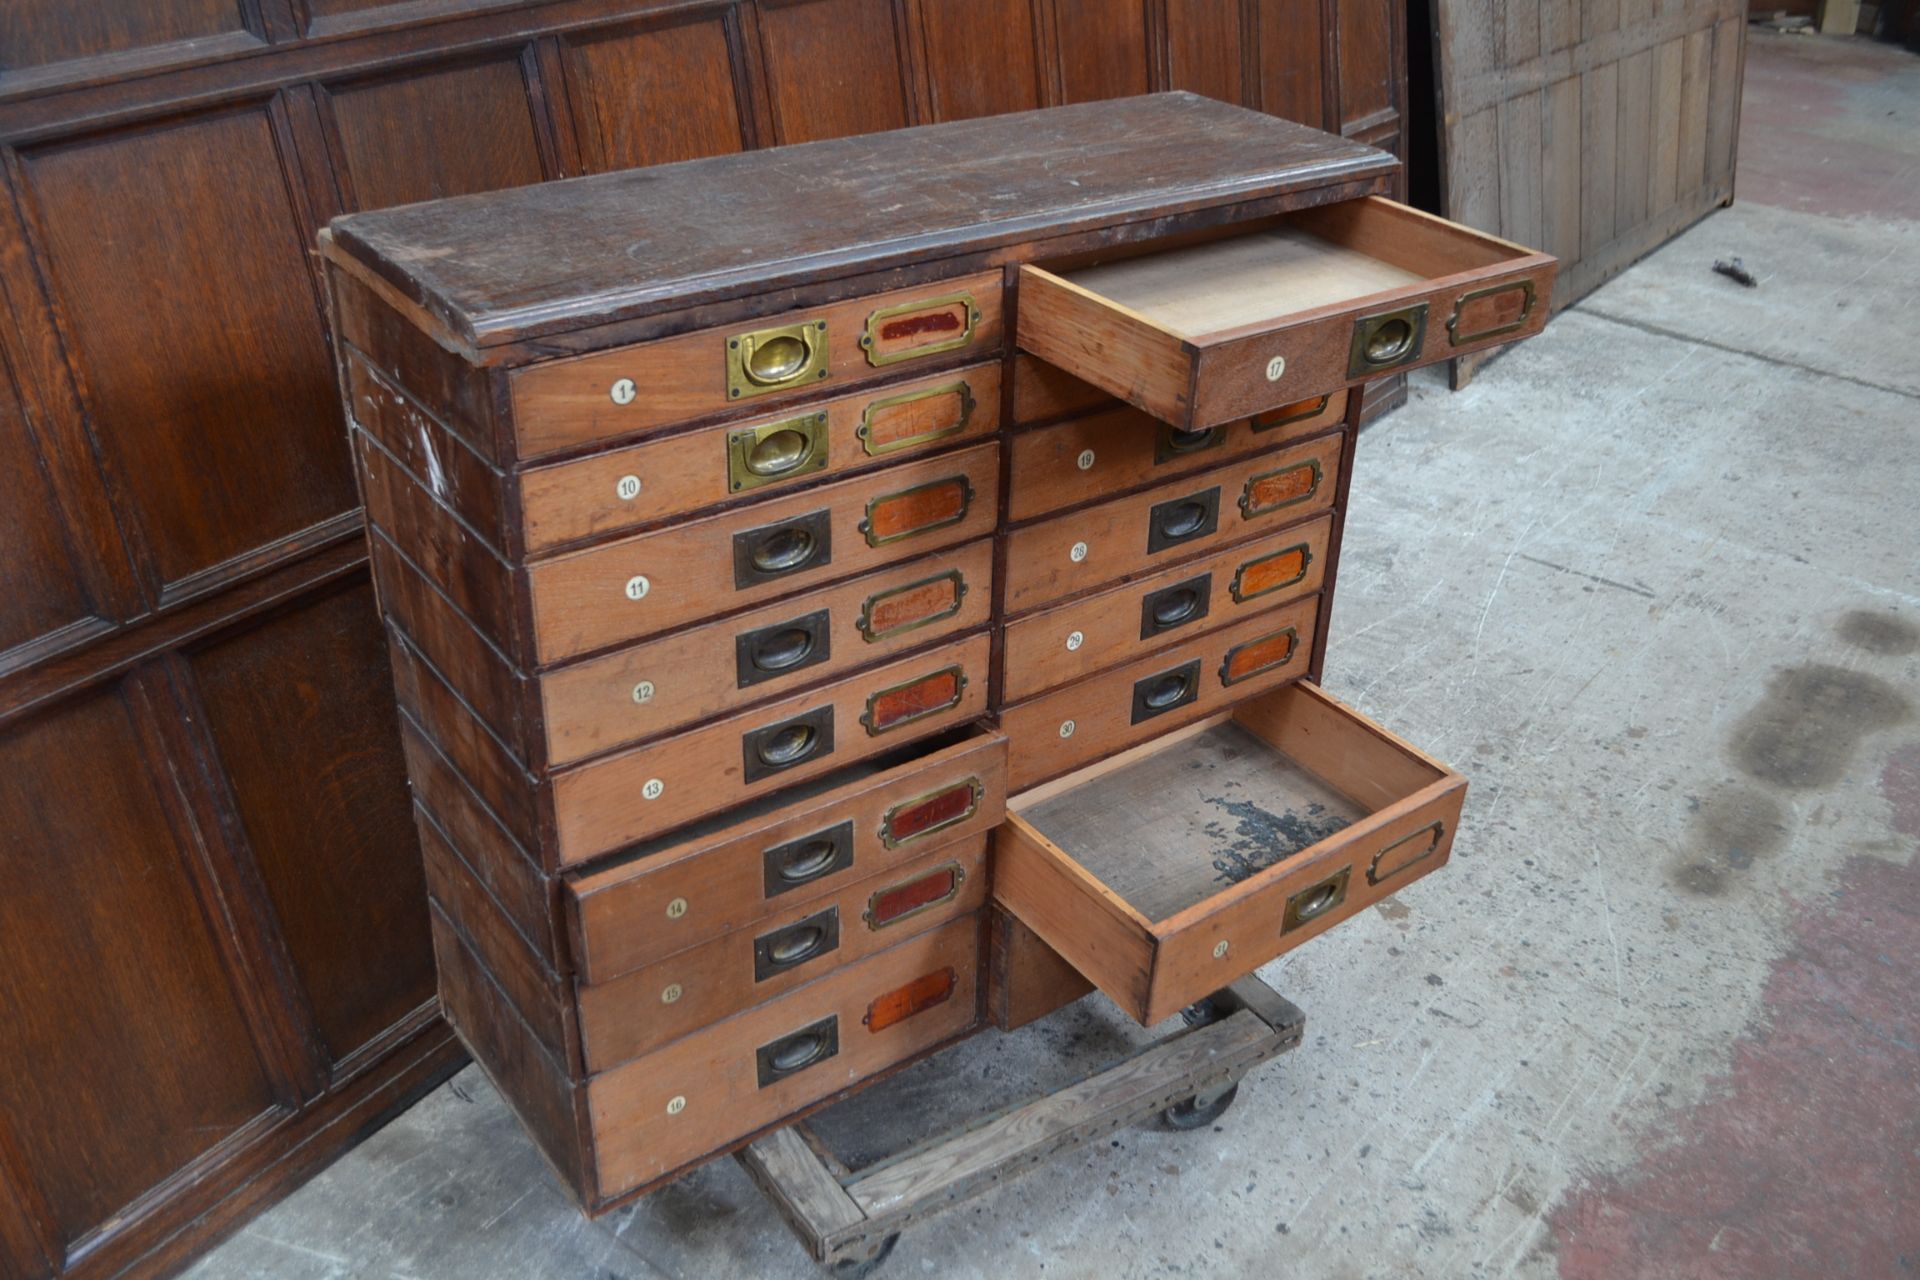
x=888 y=612
x=1255 y=656
x=903 y=900
x=1294 y=412
x=918 y=996
x=1281 y=488
x=899 y=515
x=890 y=425
x=931 y=813
x=891 y=708
x=1270 y=573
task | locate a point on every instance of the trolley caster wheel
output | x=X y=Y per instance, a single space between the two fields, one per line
x=1202 y=1109
x=859 y=1266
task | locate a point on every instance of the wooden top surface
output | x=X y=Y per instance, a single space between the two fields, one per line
x=512 y=265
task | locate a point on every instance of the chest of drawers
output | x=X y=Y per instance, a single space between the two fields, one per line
x=799 y=565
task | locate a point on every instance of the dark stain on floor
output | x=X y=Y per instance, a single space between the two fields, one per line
x=1804 y=733
x=1729 y=828
x=1887 y=633
x=1259 y=838
x=1801 y=1161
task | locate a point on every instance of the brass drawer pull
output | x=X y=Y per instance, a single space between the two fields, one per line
x=785 y=867
x=1284 y=487
x=1175 y=606
x=936 y=811
x=891 y=424
x=792 y=946
x=776 y=451
x=774 y=550
x=1406 y=852
x=787 y=743
x=1528 y=297
x=896 y=611
x=791 y=1054
x=775 y=359
x=1315 y=901
x=775 y=650
x=1387 y=340
x=1244 y=661
x=897 y=902
x=1156 y=695
x=893 y=333
x=914 y=699
x=1270 y=573
x=1179 y=520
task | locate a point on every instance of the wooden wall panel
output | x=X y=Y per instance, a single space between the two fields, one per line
x=303 y=685
x=39 y=573
x=1103 y=51
x=1371 y=82
x=445 y=131
x=654 y=95
x=176 y=263
x=1595 y=129
x=199 y=758
x=127 y=1054
x=980 y=58
x=34 y=33
x=833 y=68
x=1203 y=48
x=1292 y=80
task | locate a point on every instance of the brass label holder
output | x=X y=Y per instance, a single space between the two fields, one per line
x=959 y=387
x=1460 y=339
x=870 y=340
x=872 y=603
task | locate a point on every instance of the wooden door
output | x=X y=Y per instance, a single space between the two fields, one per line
x=1593 y=129
x=214 y=965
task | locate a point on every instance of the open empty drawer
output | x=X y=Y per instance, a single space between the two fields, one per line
x=1296 y=307
x=1166 y=872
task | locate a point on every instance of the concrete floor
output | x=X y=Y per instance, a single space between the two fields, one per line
x=1653 y=583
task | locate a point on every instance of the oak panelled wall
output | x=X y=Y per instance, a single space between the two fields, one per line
x=214 y=966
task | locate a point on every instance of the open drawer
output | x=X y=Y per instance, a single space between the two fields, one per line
x=1296 y=307
x=1164 y=873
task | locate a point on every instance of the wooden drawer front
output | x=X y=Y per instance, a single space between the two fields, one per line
x=1327 y=297
x=1110 y=452
x=643 y=791
x=566 y=403
x=794 y=848
x=673 y=997
x=1062 y=730
x=1125 y=871
x=660 y=685
x=712 y=1089
x=1046 y=393
x=671 y=475
x=653 y=582
x=1084 y=635
x=1074 y=553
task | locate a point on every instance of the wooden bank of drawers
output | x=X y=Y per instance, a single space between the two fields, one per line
x=783 y=563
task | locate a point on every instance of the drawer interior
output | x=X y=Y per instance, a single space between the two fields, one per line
x=1335 y=256
x=1242 y=322
x=1168 y=871
x=1177 y=826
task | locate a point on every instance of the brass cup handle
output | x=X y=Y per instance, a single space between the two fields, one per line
x=771 y=359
